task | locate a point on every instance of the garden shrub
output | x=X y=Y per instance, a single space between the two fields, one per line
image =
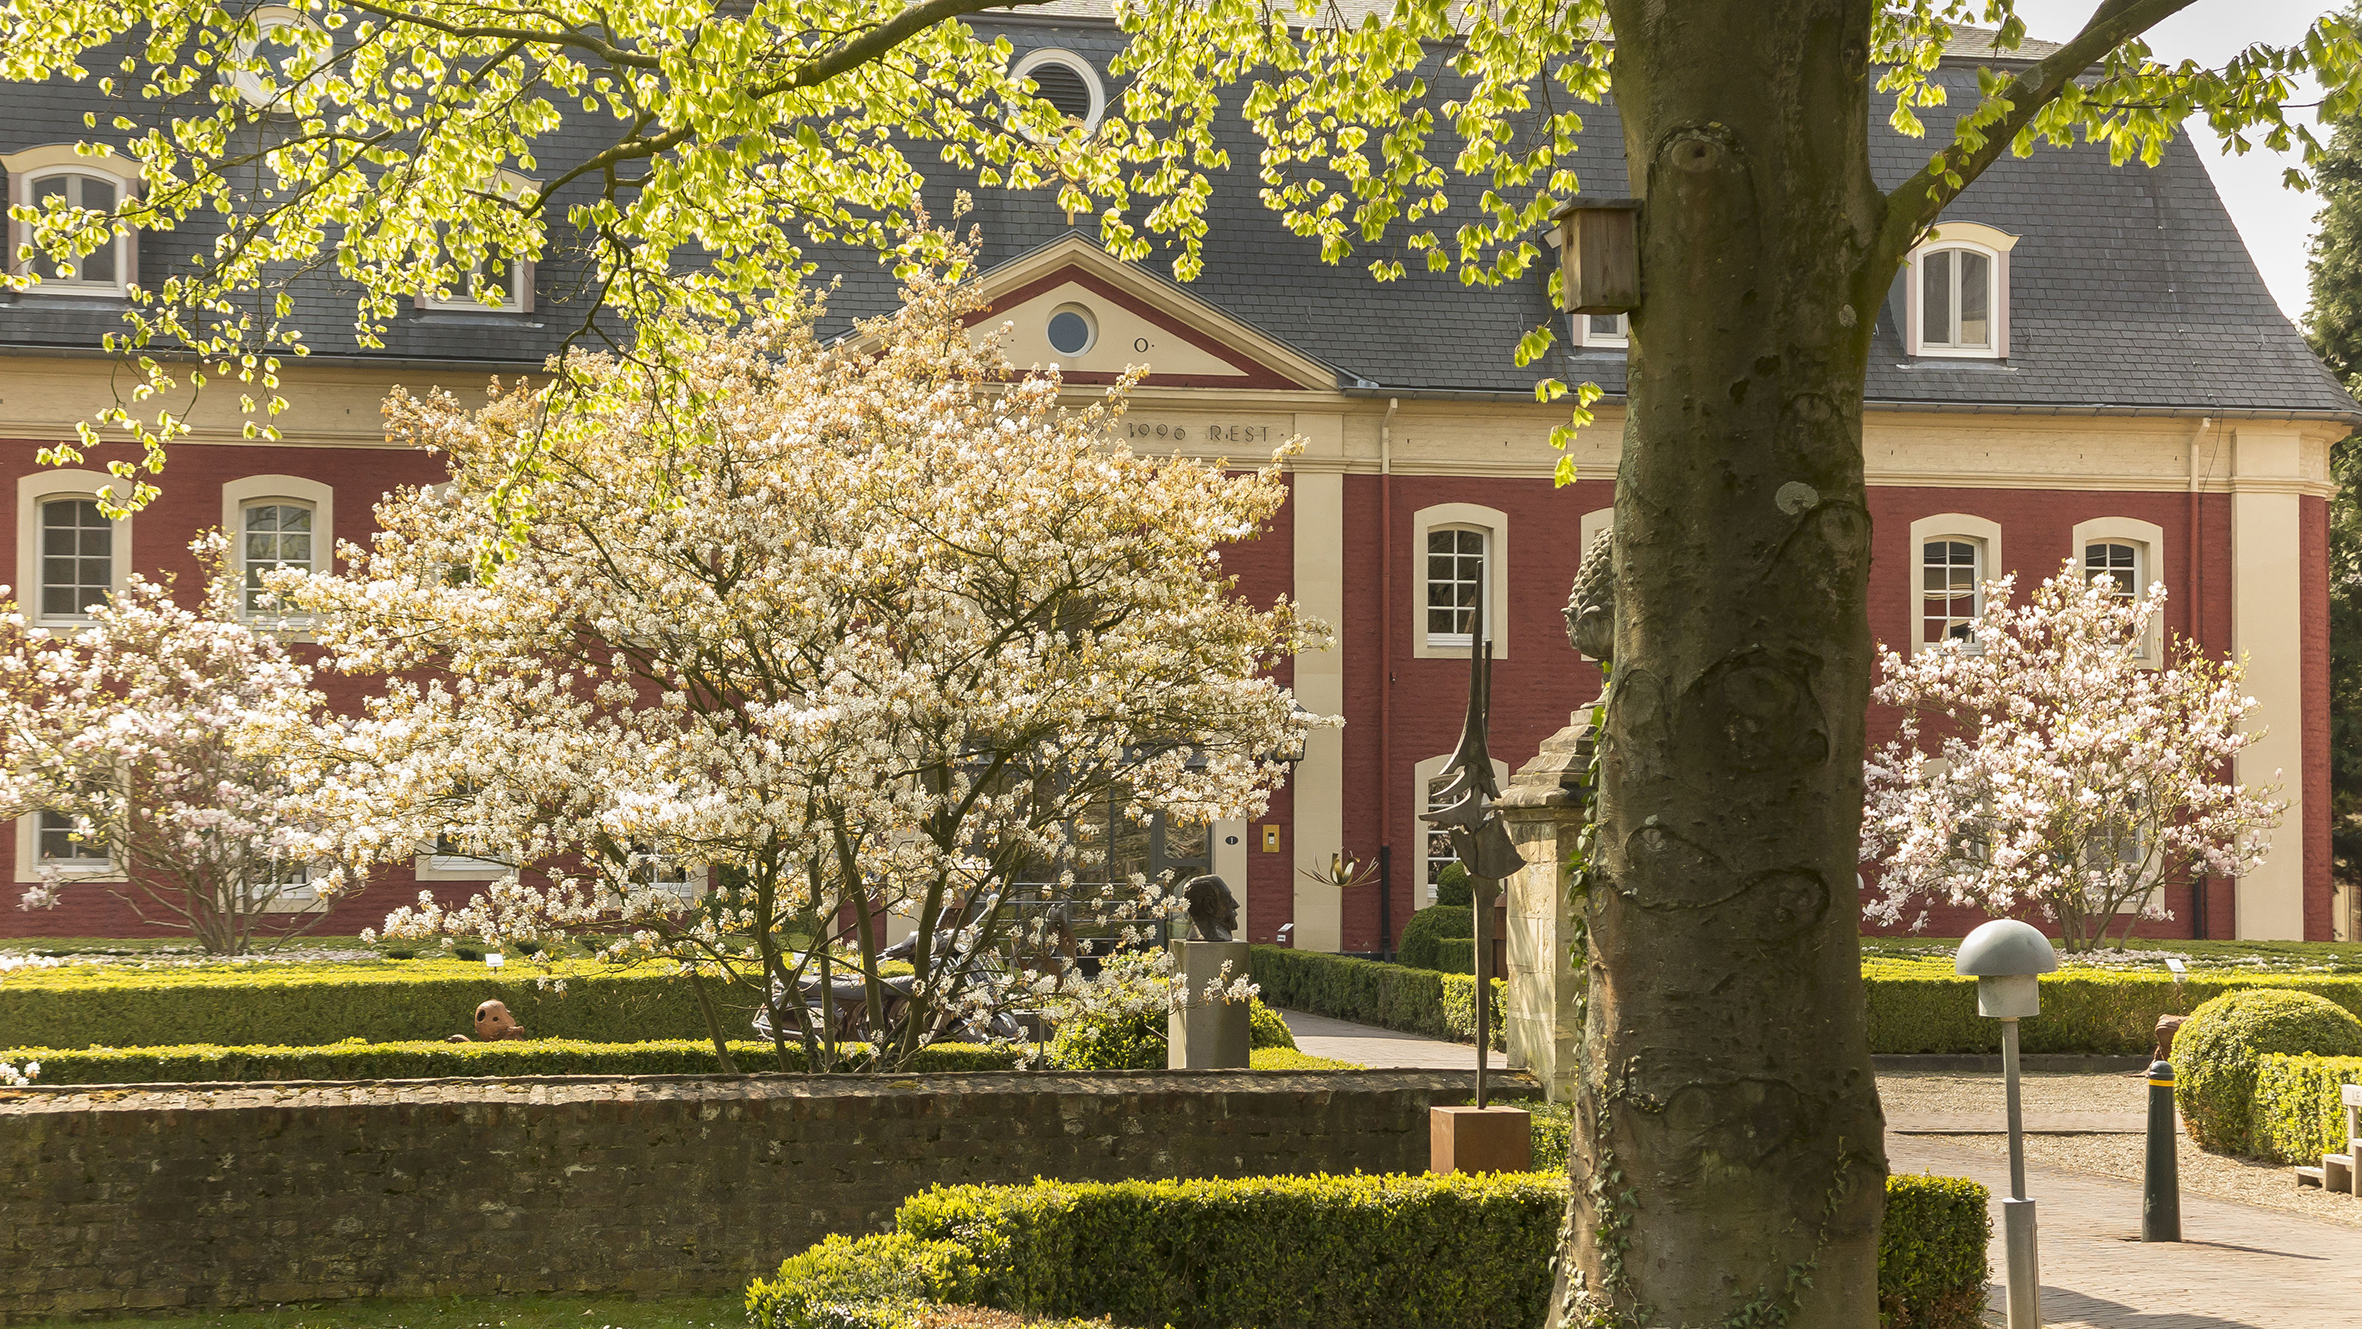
x=1452 y=888
x=1931 y=1253
x=1553 y=1133
x=2299 y=1112
x=1433 y=924
x=1289 y=1059
x=1456 y=955
x=1291 y=1253
x=879 y=1282
x=356 y=1060
x=1138 y=1040
x=2216 y=1053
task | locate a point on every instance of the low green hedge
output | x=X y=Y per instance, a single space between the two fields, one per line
x=383 y=1002
x=1288 y=1253
x=1391 y=996
x=2298 y=1112
x=1918 y=1007
x=537 y=1056
x=424 y=1061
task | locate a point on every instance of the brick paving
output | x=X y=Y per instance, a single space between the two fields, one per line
x=2237 y=1267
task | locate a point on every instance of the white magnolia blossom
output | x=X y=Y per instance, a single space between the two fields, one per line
x=2044 y=764
x=858 y=629
x=136 y=729
x=13 y=1076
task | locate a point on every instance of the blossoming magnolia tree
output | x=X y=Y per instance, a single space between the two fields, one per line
x=2045 y=764
x=132 y=735
x=854 y=630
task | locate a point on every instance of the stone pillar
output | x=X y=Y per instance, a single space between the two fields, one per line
x=1543 y=809
x=1200 y=1037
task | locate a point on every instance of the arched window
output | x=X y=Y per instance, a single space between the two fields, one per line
x=69 y=555
x=1953 y=555
x=1957 y=302
x=1458 y=551
x=56 y=178
x=274 y=522
x=2129 y=553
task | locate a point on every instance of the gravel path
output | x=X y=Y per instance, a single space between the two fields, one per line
x=2271 y=1185
x=1907 y=1094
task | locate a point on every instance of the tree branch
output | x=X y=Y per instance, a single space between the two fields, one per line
x=1915 y=204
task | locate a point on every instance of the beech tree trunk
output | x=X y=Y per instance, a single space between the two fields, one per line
x=1731 y=1165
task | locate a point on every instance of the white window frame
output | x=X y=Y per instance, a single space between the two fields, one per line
x=1586 y=335
x=1494 y=525
x=521 y=270
x=1424 y=774
x=1059 y=55
x=1979 y=531
x=304 y=899
x=28 y=858
x=41 y=487
x=1975 y=237
x=27 y=169
x=2148 y=541
x=240 y=494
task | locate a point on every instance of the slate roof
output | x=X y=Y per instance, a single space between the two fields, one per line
x=2130 y=287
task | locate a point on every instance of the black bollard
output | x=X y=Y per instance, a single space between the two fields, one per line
x=2161 y=1187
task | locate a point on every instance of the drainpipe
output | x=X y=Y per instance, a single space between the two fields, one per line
x=1386 y=658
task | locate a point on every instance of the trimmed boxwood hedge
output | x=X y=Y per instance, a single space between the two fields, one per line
x=424 y=1061
x=384 y=1002
x=2216 y=1053
x=1417 y=1001
x=1288 y=1253
x=1428 y=929
x=2298 y=1112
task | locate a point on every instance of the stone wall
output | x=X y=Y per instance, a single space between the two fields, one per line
x=220 y=1195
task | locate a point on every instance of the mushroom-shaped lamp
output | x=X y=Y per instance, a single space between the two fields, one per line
x=2004 y=956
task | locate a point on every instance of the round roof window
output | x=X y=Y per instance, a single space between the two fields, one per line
x=1072 y=329
x=1066 y=81
x=276 y=53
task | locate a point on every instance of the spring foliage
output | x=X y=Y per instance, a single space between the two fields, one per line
x=2044 y=764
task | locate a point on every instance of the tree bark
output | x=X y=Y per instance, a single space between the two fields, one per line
x=1731 y=1162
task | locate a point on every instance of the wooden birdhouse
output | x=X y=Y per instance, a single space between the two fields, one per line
x=1599 y=254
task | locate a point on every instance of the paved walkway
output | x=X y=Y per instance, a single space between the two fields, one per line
x=2238 y=1267
x=1378 y=1048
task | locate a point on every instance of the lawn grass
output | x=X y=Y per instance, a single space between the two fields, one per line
x=513 y=1312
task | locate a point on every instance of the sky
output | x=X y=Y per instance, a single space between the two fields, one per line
x=2276 y=222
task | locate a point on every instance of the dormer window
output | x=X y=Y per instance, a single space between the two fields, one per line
x=1068 y=83
x=47 y=180
x=496 y=282
x=1603 y=329
x=1958 y=294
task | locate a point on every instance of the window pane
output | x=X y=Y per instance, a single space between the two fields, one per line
x=278 y=535
x=58 y=844
x=77 y=567
x=1455 y=569
x=2120 y=563
x=1440 y=542
x=1935 y=298
x=97 y=195
x=1607 y=325
x=1976 y=289
x=1948 y=580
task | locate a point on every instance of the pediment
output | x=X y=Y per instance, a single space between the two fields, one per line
x=1132 y=318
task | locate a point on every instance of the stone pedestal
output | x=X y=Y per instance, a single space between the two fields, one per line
x=1543 y=809
x=1202 y=1037
x=1469 y=1139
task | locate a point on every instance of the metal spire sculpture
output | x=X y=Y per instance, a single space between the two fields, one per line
x=1479 y=839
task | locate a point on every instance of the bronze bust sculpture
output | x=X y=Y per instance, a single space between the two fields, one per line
x=1213 y=910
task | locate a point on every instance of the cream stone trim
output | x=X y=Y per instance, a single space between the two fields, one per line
x=1464 y=516
x=1984 y=531
x=1595 y=521
x=2149 y=538
x=2267 y=618
x=28 y=858
x=1317 y=788
x=1229 y=843
x=31 y=491
x=1421 y=774
x=1215 y=325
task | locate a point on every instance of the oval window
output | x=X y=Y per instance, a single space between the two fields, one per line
x=1072 y=329
x=1067 y=82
